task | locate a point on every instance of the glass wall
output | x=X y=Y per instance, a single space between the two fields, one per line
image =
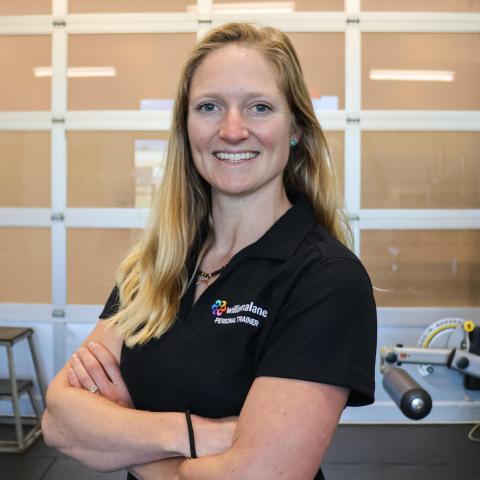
x=84 y=132
x=24 y=83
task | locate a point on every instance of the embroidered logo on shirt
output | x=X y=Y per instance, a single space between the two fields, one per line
x=221 y=306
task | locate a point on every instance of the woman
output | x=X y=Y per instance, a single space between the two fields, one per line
x=241 y=299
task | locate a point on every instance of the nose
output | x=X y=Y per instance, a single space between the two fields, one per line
x=233 y=127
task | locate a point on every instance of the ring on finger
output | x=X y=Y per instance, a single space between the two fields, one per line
x=93 y=389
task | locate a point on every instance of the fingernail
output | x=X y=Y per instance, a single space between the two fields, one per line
x=92 y=344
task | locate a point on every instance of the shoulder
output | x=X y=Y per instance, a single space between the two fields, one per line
x=320 y=256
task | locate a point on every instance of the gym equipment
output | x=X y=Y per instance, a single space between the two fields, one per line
x=450 y=342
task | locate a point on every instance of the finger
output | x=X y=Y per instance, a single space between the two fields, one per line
x=83 y=377
x=95 y=370
x=108 y=362
x=110 y=365
x=72 y=378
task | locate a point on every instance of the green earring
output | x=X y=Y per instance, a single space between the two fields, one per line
x=293 y=142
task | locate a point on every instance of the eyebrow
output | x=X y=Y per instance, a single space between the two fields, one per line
x=216 y=95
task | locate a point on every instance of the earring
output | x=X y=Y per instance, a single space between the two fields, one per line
x=293 y=142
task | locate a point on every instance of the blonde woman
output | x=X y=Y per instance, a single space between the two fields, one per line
x=241 y=325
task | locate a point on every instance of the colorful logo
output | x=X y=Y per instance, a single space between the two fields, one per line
x=219 y=307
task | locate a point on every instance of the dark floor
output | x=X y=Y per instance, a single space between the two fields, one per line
x=384 y=452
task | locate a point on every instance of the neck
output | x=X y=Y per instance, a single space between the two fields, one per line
x=239 y=221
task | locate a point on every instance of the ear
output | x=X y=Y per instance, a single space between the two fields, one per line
x=295 y=136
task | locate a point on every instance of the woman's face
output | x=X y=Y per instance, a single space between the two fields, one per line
x=239 y=123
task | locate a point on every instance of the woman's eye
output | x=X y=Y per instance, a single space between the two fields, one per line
x=206 y=107
x=261 y=108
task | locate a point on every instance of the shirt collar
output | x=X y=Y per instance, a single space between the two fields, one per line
x=284 y=237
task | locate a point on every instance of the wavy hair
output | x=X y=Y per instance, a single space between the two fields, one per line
x=153 y=277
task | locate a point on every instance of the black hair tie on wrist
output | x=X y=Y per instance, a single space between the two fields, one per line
x=191 y=436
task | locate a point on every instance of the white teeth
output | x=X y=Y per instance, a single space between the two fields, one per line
x=235 y=157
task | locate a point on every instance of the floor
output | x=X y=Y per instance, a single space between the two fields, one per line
x=386 y=452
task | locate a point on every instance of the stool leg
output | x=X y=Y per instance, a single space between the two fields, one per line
x=41 y=386
x=31 y=395
x=15 y=402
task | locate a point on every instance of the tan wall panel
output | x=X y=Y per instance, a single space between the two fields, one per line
x=25 y=276
x=25 y=7
x=19 y=88
x=319 y=5
x=101 y=168
x=24 y=169
x=336 y=144
x=422 y=5
x=93 y=256
x=322 y=56
x=457 y=52
x=103 y=6
x=423 y=268
x=420 y=170
x=312 y=5
x=147 y=67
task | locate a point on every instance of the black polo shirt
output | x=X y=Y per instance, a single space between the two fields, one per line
x=295 y=304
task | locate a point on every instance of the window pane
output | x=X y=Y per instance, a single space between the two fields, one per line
x=20 y=88
x=298 y=5
x=25 y=256
x=24 y=169
x=421 y=170
x=335 y=141
x=423 y=267
x=93 y=256
x=114 y=169
x=322 y=56
x=25 y=7
x=130 y=72
x=422 y=5
x=413 y=71
x=111 y=6
x=319 y=5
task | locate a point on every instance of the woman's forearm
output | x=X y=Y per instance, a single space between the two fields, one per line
x=162 y=470
x=106 y=436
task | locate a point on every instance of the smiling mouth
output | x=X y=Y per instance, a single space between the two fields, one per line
x=236 y=157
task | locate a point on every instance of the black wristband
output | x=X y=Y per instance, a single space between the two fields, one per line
x=191 y=436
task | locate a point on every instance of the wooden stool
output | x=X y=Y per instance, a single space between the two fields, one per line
x=13 y=388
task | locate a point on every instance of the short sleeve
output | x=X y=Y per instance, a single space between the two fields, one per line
x=326 y=331
x=112 y=305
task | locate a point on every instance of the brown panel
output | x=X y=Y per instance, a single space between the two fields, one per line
x=420 y=170
x=336 y=144
x=19 y=88
x=24 y=169
x=422 y=5
x=299 y=5
x=322 y=56
x=25 y=7
x=147 y=67
x=457 y=52
x=104 y=6
x=93 y=256
x=423 y=267
x=103 y=172
x=319 y=5
x=25 y=258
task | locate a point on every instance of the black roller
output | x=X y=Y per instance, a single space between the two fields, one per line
x=410 y=397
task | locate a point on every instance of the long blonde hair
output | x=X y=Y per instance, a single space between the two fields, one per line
x=153 y=277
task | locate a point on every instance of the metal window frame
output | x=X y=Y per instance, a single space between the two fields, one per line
x=352 y=120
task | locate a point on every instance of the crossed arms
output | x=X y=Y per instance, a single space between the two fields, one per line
x=284 y=428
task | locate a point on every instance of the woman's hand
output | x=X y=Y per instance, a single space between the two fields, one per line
x=95 y=366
